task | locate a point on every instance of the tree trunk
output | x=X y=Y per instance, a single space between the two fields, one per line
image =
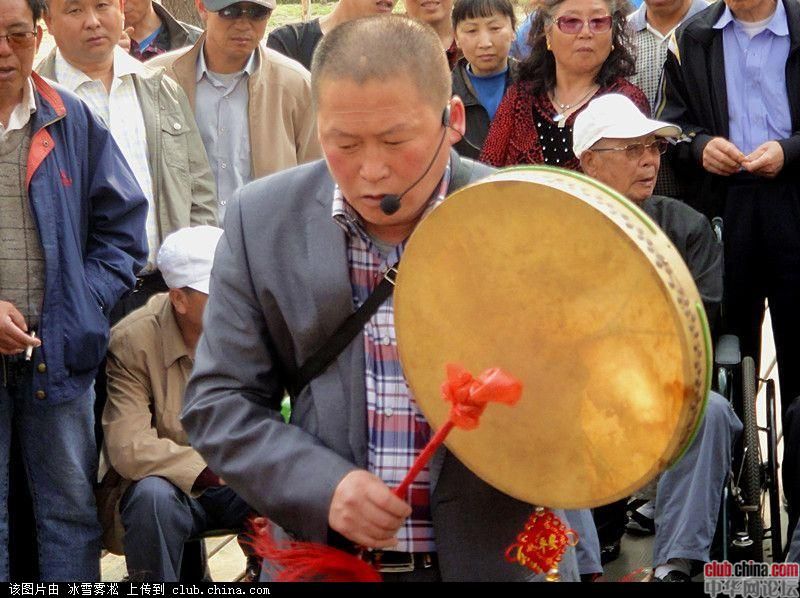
x=183 y=10
x=304 y=5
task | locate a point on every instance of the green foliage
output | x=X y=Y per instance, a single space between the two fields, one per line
x=290 y=12
x=286 y=409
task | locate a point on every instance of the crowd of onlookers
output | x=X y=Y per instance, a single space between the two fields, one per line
x=115 y=185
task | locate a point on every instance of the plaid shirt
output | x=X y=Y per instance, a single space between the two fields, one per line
x=396 y=428
x=651 y=54
x=159 y=44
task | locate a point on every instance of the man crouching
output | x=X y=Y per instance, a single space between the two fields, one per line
x=168 y=493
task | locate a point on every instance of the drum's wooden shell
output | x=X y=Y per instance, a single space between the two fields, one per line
x=571 y=288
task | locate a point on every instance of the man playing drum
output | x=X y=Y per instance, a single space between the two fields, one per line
x=622 y=148
x=302 y=250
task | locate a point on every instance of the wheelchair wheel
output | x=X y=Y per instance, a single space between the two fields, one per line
x=751 y=468
x=772 y=476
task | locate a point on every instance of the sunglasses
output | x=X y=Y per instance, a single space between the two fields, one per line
x=634 y=151
x=574 y=25
x=20 y=40
x=253 y=12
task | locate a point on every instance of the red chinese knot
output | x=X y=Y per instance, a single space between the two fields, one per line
x=542 y=543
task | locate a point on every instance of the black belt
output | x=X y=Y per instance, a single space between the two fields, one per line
x=400 y=562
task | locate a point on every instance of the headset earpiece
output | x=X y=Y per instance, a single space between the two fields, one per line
x=446 y=116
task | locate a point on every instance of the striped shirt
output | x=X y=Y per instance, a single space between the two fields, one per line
x=651 y=54
x=121 y=112
x=651 y=51
x=397 y=430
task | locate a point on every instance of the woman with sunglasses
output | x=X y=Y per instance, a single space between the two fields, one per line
x=580 y=49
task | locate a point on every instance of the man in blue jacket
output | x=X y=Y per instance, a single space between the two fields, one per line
x=71 y=239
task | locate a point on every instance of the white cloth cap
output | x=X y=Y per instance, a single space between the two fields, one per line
x=614 y=116
x=186 y=257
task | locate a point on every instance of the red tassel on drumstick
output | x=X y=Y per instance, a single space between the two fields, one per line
x=468 y=397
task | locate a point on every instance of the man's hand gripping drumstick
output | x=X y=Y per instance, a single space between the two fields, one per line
x=365 y=510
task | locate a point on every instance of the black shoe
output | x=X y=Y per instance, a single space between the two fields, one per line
x=673 y=575
x=639 y=524
x=609 y=552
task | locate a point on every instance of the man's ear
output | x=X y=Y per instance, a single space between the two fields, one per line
x=38 y=36
x=46 y=18
x=458 y=120
x=201 y=10
x=178 y=299
x=588 y=161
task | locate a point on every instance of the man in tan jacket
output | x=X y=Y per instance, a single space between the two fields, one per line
x=168 y=493
x=229 y=73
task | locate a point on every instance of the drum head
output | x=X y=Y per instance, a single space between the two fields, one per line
x=568 y=287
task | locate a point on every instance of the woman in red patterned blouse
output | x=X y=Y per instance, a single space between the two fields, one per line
x=580 y=49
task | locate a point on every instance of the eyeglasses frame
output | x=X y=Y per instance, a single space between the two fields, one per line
x=585 y=23
x=27 y=41
x=660 y=144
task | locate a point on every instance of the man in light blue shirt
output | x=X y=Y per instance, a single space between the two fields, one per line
x=731 y=83
x=226 y=135
x=755 y=62
x=252 y=105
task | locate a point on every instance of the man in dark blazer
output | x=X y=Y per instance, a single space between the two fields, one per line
x=301 y=250
x=731 y=83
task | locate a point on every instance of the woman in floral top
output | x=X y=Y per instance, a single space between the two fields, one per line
x=580 y=50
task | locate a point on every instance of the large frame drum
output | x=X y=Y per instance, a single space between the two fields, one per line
x=571 y=288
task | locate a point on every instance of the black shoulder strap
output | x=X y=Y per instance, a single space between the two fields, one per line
x=345 y=333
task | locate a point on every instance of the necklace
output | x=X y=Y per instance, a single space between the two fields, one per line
x=560 y=116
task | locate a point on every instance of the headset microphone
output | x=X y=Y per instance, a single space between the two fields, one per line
x=391 y=203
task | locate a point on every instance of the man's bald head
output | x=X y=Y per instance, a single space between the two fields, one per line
x=384 y=48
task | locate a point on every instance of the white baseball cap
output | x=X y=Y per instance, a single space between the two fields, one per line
x=614 y=116
x=186 y=257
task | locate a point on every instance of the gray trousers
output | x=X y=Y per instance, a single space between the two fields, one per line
x=588 y=549
x=159 y=517
x=690 y=492
x=688 y=497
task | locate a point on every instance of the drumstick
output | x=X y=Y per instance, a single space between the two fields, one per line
x=423 y=458
x=305 y=561
x=468 y=397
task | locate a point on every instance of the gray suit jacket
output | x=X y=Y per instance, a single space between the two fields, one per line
x=279 y=288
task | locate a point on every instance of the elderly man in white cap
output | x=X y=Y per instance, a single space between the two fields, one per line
x=622 y=148
x=166 y=493
x=619 y=146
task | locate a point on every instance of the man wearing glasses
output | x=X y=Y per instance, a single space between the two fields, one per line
x=71 y=242
x=229 y=73
x=622 y=148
